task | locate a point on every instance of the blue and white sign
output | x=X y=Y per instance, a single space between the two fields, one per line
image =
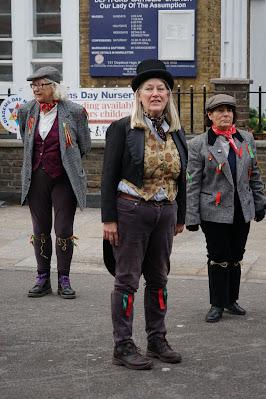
x=9 y=113
x=125 y=32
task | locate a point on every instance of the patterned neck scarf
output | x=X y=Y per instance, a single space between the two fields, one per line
x=228 y=134
x=46 y=107
x=157 y=124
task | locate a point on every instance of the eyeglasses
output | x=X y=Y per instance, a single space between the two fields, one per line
x=40 y=85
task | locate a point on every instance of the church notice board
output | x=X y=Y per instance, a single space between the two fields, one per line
x=125 y=32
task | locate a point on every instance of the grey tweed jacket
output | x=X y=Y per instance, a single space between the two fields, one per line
x=210 y=186
x=72 y=121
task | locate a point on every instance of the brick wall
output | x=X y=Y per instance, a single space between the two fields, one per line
x=11 y=153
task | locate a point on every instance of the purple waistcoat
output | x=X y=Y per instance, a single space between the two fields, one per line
x=46 y=153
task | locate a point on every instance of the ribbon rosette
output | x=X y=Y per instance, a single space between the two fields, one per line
x=30 y=124
x=68 y=137
x=219 y=168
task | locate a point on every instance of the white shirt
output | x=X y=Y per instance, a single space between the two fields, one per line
x=46 y=122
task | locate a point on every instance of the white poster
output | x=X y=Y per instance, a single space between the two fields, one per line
x=103 y=105
x=176 y=35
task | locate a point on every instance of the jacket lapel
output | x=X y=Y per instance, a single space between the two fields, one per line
x=136 y=142
x=218 y=154
x=32 y=120
x=240 y=161
x=182 y=148
x=63 y=124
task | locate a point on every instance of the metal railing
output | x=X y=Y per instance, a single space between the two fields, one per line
x=186 y=103
x=188 y=97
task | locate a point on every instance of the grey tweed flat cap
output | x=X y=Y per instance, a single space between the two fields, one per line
x=48 y=72
x=220 y=99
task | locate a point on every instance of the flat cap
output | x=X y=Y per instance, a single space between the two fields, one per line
x=48 y=72
x=220 y=99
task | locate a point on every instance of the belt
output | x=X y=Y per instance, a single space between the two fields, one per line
x=130 y=197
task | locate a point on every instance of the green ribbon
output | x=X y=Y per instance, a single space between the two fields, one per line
x=125 y=301
x=165 y=295
x=189 y=178
x=250 y=151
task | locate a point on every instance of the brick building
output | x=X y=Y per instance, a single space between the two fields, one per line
x=56 y=32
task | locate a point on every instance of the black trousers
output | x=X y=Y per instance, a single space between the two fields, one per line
x=45 y=194
x=146 y=231
x=225 y=243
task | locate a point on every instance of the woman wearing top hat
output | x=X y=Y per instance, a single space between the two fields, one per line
x=143 y=207
x=55 y=134
x=224 y=193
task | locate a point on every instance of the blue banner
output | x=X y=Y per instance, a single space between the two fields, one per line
x=124 y=32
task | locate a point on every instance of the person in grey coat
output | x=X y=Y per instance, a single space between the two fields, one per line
x=143 y=207
x=224 y=193
x=56 y=136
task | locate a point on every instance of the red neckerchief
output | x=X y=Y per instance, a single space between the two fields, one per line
x=228 y=134
x=46 y=107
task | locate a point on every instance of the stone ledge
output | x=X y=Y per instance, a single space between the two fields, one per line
x=13 y=143
x=232 y=81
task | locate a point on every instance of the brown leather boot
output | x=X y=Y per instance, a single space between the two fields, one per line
x=158 y=347
x=128 y=355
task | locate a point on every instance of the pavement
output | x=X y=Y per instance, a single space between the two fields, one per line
x=56 y=348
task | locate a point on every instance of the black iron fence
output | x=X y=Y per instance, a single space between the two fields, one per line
x=192 y=102
x=189 y=96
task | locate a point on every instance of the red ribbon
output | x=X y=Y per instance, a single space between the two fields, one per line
x=161 y=299
x=218 y=198
x=129 y=305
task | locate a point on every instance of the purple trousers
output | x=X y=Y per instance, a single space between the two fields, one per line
x=45 y=194
x=146 y=232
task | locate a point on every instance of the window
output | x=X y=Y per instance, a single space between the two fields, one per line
x=6 y=73
x=47 y=40
x=36 y=33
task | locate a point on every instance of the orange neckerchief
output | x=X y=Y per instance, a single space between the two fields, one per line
x=46 y=107
x=228 y=134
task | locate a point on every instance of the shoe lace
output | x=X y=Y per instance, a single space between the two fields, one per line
x=64 y=282
x=129 y=348
x=40 y=278
x=163 y=344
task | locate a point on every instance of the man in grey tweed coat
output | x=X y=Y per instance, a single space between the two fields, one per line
x=224 y=193
x=56 y=136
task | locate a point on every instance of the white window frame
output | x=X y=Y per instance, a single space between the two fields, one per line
x=22 y=36
x=234 y=36
x=5 y=85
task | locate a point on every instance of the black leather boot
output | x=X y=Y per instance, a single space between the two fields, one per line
x=159 y=348
x=41 y=287
x=234 y=308
x=128 y=355
x=64 y=288
x=214 y=314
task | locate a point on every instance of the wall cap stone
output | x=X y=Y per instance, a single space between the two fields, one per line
x=232 y=81
x=9 y=143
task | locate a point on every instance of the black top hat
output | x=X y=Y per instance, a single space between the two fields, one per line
x=149 y=69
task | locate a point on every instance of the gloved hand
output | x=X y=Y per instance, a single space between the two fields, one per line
x=193 y=227
x=259 y=215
